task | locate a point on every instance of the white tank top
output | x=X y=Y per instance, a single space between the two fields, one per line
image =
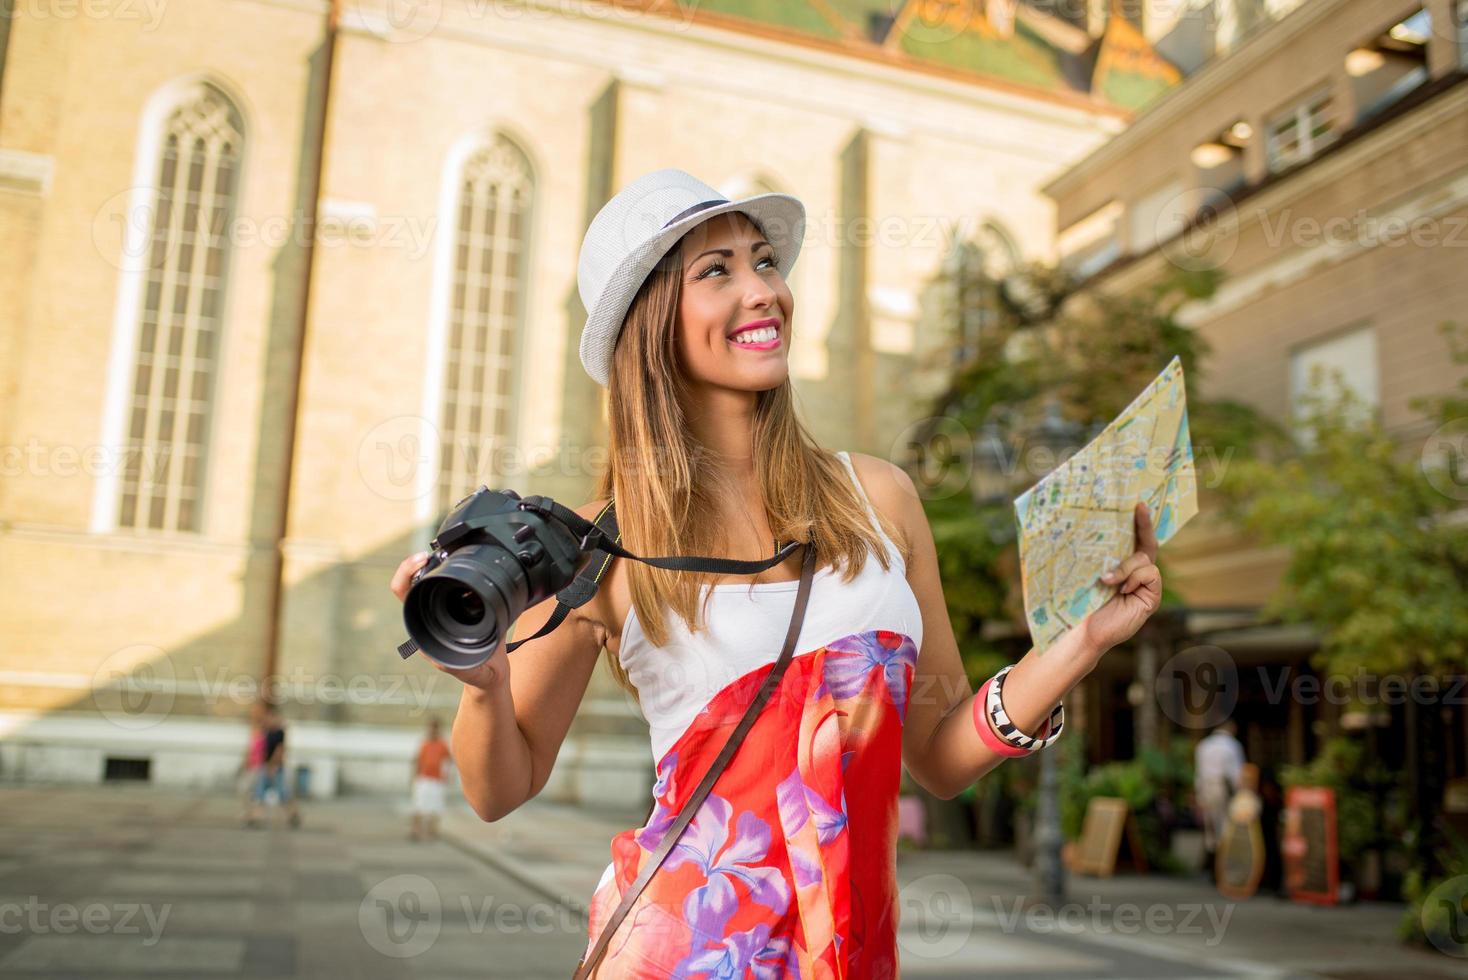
x=745 y=627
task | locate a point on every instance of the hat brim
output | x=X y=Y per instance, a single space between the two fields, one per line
x=780 y=215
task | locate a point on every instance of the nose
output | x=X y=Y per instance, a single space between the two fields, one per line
x=759 y=293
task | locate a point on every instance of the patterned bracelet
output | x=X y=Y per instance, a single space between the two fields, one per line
x=1008 y=731
x=986 y=731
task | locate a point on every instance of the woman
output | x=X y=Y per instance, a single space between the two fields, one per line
x=788 y=868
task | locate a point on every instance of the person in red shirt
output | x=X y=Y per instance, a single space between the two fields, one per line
x=428 y=783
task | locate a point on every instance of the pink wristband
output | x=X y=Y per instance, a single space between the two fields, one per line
x=986 y=731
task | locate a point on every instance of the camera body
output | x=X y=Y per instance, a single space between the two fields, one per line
x=491 y=560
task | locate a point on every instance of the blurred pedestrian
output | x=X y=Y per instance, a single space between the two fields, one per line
x=428 y=783
x=271 y=786
x=248 y=773
x=1218 y=763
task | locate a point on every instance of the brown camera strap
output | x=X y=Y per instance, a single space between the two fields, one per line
x=685 y=816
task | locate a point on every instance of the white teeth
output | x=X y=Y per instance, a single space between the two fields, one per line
x=756 y=336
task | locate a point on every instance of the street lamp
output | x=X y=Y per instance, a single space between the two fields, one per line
x=1060 y=437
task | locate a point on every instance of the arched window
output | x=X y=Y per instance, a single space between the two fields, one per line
x=976 y=268
x=477 y=414
x=194 y=190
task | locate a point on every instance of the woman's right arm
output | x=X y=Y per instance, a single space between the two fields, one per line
x=516 y=708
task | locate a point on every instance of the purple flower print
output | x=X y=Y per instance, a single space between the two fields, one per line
x=797 y=801
x=706 y=844
x=744 y=954
x=851 y=660
x=666 y=769
x=662 y=817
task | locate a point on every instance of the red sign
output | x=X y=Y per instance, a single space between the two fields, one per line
x=1308 y=846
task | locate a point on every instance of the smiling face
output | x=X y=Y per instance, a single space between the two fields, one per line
x=732 y=286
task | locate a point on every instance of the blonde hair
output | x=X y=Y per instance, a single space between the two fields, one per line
x=665 y=487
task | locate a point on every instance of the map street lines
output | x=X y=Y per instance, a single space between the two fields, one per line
x=1078 y=521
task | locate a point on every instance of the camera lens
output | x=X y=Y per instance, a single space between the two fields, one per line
x=464 y=607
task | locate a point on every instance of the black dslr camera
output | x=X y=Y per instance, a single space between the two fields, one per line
x=498 y=554
x=495 y=555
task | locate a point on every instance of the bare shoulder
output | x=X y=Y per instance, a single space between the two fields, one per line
x=892 y=494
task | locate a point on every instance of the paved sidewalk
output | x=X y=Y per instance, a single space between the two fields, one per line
x=124 y=882
x=971 y=913
x=121 y=882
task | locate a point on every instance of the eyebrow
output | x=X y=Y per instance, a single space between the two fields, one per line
x=727 y=252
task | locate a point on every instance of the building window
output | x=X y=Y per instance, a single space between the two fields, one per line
x=486 y=305
x=1091 y=244
x=1320 y=371
x=1392 y=64
x=1301 y=132
x=177 y=350
x=977 y=268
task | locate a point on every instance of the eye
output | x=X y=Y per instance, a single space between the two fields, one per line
x=768 y=257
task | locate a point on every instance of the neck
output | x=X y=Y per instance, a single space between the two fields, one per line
x=722 y=421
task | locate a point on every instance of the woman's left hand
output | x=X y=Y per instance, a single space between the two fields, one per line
x=1138 y=597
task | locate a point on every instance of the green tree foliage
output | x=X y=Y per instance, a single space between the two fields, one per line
x=1379 y=553
x=1045 y=349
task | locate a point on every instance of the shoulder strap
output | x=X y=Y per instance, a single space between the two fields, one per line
x=686 y=814
x=583 y=586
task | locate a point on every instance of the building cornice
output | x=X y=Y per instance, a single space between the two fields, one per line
x=736 y=36
x=1203 y=85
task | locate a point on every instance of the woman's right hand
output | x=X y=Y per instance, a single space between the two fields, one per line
x=493 y=673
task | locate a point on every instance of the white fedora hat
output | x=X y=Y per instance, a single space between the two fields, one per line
x=636 y=228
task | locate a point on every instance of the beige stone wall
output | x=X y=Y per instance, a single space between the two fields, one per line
x=593 y=102
x=77 y=604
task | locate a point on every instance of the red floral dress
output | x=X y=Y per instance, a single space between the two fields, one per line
x=788 y=868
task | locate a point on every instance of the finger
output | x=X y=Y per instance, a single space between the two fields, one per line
x=1146 y=532
x=1129 y=565
x=1149 y=575
x=404 y=574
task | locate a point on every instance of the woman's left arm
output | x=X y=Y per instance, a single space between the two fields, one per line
x=940 y=746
